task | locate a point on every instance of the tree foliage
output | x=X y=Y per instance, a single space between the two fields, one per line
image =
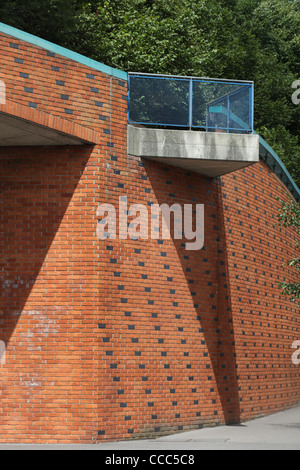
x=289 y=216
x=54 y=20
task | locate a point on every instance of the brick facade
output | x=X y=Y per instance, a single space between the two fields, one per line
x=126 y=339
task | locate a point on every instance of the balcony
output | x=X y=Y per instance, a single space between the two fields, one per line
x=203 y=125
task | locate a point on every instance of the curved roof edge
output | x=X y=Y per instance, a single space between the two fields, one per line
x=49 y=46
x=270 y=157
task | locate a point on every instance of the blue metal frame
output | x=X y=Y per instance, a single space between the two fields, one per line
x=190 y=125
x=191 y=105
x=251 y=108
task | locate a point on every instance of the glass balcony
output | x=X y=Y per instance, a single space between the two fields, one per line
x=210 y=105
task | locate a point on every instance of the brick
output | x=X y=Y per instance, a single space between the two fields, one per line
x=211 y=325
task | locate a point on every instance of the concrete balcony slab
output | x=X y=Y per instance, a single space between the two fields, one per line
x=212 y=154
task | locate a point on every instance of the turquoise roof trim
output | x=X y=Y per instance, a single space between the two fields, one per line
x=49 y=46
x=270 y=157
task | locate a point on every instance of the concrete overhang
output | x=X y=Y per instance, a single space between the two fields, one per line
x=212 y=154
x=21 y=126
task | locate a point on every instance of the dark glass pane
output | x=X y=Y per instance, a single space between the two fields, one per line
x=221 y=106
x=239 y=109
x=161 y=101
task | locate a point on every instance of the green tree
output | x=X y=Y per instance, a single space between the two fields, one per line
x=158 y=36
x=289 y=216
x=53 y=20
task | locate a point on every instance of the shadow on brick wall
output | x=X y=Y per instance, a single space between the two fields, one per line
x=222 y=346
x=207 y=278
x=36 y=186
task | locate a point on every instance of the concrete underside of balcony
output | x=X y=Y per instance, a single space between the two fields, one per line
x=212 y=154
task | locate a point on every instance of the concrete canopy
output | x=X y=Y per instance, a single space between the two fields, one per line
x=22 y=126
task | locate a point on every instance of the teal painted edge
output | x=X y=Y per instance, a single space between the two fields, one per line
x=283 y=172
x=49 y=46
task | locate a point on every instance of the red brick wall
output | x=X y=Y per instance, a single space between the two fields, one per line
x=123 y=339
x=265 y=324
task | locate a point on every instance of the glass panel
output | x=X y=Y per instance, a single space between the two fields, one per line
x=239 y=109
x=162 y=101
x=213 y=105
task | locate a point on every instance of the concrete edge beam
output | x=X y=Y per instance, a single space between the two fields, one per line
x=210 y=153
